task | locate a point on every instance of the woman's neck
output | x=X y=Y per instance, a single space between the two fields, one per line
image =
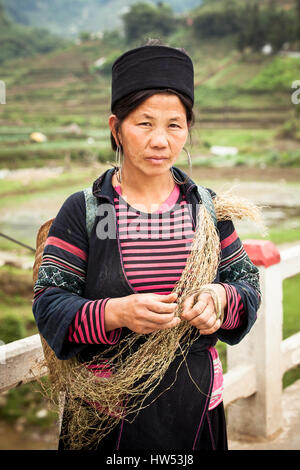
x=149 y=192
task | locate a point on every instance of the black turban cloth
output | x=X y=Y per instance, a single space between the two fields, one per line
x=152 y=67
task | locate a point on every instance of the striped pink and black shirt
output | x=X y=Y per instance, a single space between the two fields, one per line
x=154 y=250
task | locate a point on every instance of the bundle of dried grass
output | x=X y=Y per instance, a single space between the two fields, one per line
x=95 y=405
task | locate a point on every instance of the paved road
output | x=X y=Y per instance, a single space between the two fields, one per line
x=289 y=437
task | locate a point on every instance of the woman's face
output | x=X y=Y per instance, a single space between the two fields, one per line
x=153 y=135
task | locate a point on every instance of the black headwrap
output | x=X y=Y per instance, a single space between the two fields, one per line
x=149 y=67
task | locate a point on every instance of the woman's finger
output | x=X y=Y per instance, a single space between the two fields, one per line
x=162 y=303
x=158 y=318
x=205 y=321
x=212 y=330
x=149 y=327
x=187 y=306
x=191 y=311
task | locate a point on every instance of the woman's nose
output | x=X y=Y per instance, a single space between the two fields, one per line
x=158 y=138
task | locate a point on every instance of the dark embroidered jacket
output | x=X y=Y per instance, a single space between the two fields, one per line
x=78 y=271
x=91 y=270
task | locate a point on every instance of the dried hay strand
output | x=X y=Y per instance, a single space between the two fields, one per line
x=96 y=404
x=229 y=206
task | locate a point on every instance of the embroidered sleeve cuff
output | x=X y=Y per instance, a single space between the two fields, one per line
x=88 y=325
x=235 y=308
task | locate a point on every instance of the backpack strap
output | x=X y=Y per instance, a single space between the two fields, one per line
x=207 y=200
x=90 y=208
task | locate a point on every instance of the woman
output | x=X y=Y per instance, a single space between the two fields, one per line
x=93 y=291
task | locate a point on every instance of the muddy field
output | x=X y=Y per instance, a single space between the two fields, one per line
x=250 y=174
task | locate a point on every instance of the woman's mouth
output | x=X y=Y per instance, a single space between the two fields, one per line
x=156 y=159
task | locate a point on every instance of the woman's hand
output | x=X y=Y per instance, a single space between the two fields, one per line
x=142 y=313
x=203 y=314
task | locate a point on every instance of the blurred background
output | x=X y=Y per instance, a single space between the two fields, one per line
x=55 y=67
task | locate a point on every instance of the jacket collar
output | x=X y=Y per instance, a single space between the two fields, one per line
x=102 y=186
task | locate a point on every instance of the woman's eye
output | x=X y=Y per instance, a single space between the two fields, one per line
x=144 y=124
x=175 y=126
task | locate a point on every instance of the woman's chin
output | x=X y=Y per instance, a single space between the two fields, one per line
x=157 y=167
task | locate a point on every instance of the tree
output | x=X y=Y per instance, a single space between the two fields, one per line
x=256 y=31
x=280 y=26
x=218 y=20
x=277 y=35
x=144 y=19
x=242 y=41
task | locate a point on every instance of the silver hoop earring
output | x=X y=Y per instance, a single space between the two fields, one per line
x=189 y=160
x=118 y=163
x=190 y=169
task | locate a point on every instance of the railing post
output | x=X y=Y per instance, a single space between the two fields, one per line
x=260 y=415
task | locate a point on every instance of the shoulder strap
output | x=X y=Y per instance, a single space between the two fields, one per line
x=91 y=208
x=207 y=200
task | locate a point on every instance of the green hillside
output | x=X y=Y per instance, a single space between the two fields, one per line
x=49 y=93
x=242 y=99
x=24 y=41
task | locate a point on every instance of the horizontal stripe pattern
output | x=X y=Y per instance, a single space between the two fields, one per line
x=154 y=246
x=66 y=246
x=229 y=240
x=50 y=260
x=235 y=256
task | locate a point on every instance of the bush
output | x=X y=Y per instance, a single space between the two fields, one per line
x=25 y=403
x=12 y=328
x=290 y=130
x=290 y=159
x=84 y=36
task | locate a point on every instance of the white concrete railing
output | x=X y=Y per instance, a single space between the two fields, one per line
x=262 y=357
x=253 y=382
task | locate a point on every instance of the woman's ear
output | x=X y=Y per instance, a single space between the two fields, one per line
x=112 y=122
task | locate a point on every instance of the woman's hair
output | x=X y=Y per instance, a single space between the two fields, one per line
x=129 y=103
